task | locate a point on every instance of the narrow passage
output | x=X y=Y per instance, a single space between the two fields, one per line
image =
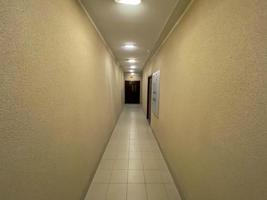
x=132 y=166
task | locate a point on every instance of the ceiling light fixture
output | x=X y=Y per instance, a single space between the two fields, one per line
x=129 y=46
x=131 y=60
x=129 y=2
x=131 y=71
x=133 y=67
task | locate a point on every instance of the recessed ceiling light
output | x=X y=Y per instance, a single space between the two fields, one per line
x=129 y=46
x=129 y=2
x=133 y=67
x=131 y=60
x=131 y=71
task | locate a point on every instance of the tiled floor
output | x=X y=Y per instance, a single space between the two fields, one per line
x=132 y=166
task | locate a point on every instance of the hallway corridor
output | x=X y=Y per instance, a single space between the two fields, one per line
x=84 y=82
x=132 y=166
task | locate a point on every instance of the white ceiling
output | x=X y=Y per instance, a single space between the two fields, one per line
x=142 y=24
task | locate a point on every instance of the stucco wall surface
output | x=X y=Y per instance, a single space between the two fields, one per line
x=60 y=96
x=212 y=124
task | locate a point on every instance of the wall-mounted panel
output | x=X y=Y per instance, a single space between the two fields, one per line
x=155 y=93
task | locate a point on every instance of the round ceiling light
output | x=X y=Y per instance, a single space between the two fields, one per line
x=133 y=67
x=131 y=60
x=129 y=46
x=129 y=2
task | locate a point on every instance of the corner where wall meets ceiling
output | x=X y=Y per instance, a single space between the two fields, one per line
x=134 y=29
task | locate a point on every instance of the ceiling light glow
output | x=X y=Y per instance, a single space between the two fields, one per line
x=129 y=2
x=129 y=46
x=133 y=67
x=131 y=60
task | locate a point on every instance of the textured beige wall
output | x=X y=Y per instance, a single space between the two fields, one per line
x=60 y=97
x=213 y=100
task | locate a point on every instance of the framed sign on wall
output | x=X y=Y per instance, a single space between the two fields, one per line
x=155 y=93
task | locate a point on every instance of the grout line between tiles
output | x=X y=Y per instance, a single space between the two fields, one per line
x=115 y=137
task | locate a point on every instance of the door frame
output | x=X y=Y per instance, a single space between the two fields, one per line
x=137 y=87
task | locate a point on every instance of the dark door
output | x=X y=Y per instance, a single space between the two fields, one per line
x=132 y=92
x=149 y=89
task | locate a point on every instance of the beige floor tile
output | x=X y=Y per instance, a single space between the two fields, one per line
x=151 y=164
x=147 y=148
x=109 y=156
x=136 y=176
x=153 y=176
x=135 y=155
x=106 y=164
x=123 y=154
x=135 y=164
x=117 y=192
x=136 y=192
x=172 y=192
x=121 y=164
x=151 y=155
x=119 y=176
x=166 y=177
x=97 y=192
x=156 y=192
x=132 y=166
x=102 y=176
x=162 y=165
x=135 y=148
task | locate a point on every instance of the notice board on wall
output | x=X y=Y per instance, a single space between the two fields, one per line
x=155 y=93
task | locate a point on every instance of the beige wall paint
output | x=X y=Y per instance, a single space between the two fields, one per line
x=61 y=94
x=213 y=100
